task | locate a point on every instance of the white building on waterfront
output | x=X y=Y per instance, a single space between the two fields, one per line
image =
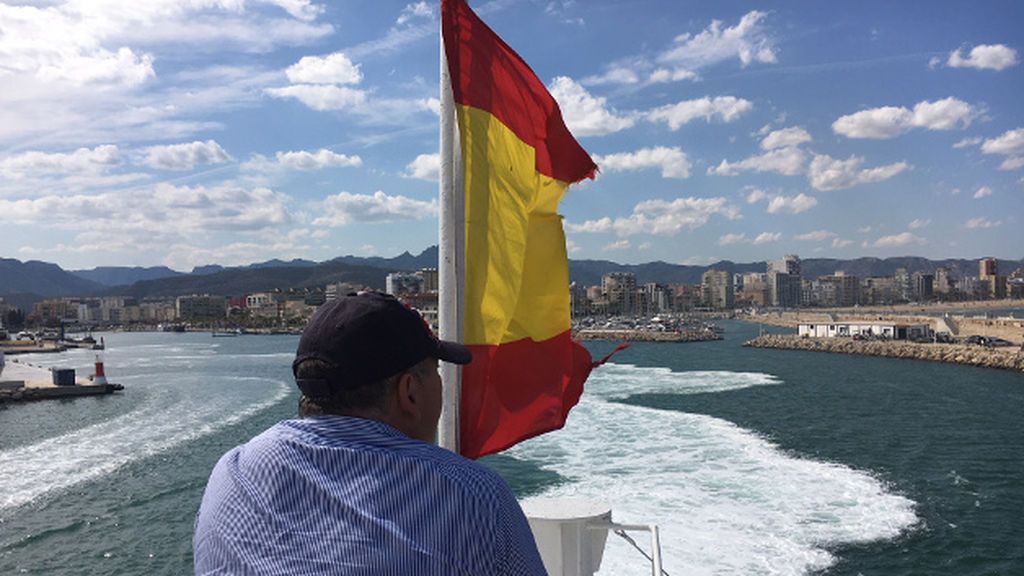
x=879 y=329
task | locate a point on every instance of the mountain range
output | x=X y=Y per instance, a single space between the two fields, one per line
x=22 y=283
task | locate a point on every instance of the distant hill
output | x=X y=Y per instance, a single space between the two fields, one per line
x=240 y=281
x=123 y=275
x=22 y=283
x=42 y=278
x=404 y=261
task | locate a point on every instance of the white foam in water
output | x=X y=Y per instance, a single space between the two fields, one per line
x=726 y=500
x=28 y=472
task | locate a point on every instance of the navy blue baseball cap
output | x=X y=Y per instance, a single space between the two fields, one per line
x=366 y=337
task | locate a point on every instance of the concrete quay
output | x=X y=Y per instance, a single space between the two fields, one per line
x=1009 y=358
x=20 y=382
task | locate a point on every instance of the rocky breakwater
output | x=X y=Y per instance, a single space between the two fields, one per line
x=646 y=335
x=1002 y=358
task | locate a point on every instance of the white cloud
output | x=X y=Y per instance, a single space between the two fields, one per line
x=904 y=239
x=37 y=164
x=827 y=173
x=414 y=11
x=584 y=114
x=618 y=245
x=662 y=217
x=672 y=161
x=614 y=75
x=787 y=161
x=756 y=195
x=864 y=229
x=184 y=156
x=891 y=121
x=984 y=57
x=1009 y=144
x=816 y=236
x=322 y=158
x=425 y=167
x=878 y=123
x=153 y=216
x=982 y=192
x=345 y=208
x=333 y=68
x=598 y=226
x=662 y=75
x=785 y=137
x=100 y=44
x=968 y=142
x=981 y=223
x=841 y=243
x=791 y=204
x=321 y=97
x=730 y=239
x=767 y=238
x=748 y=41
x=724 y=108
x=919 y=223
x=1015 y=163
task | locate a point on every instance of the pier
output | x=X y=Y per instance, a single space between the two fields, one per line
x=1010 y=358
x=20 y=382
x=646 y=335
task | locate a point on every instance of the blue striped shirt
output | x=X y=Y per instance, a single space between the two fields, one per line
x=340 y=495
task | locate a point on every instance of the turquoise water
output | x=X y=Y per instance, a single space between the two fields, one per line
x=751 y=461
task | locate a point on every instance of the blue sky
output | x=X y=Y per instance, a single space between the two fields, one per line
x=235 y=131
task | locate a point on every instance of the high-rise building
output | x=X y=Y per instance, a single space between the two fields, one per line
x=784 y=282
x=903 y=287
x=718 y=291
x=988 y=267
x=923 y=285
x=839 y=290
x=657 y=299
x=619 y=288
x=430 y=281
x=993 y=284
x=943 y=285
x=400 y=283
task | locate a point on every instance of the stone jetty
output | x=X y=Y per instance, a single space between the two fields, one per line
x=646 y=335
x=1008 y=358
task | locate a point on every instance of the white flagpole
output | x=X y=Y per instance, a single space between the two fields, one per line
x=451 y=258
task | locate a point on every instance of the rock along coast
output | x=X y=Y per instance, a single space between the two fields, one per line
x=1010 y=358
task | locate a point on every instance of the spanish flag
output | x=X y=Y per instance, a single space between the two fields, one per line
x=518 y=159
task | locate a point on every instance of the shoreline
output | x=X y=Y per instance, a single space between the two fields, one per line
x=1009 y=358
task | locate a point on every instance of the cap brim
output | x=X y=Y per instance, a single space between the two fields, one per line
x=453 y=352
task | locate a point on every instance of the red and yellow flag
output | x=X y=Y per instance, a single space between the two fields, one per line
x=519 y=159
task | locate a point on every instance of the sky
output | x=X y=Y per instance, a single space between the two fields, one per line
x=191 y=132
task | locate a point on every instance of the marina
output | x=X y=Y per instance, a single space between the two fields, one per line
x=743 y=457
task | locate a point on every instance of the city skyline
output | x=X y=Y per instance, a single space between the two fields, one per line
x=230 y=132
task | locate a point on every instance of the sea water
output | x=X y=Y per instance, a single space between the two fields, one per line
x=751 y=461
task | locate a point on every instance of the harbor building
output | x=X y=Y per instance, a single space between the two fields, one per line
x=879 y=329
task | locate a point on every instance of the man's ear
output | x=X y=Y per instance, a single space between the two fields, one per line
x=408 y=400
